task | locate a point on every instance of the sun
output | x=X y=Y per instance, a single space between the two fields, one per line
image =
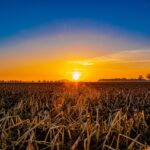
x=76 y=76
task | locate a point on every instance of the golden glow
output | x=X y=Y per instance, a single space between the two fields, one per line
x=57 y=57
x=127 y=64
x=76 y=76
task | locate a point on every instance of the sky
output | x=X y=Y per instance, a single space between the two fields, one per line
x=51 y=39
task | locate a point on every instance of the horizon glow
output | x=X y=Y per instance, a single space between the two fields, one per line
x=53 y=40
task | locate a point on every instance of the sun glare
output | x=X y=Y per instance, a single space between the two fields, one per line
x=76 y=76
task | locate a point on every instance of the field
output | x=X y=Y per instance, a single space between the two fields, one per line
x=73 y=116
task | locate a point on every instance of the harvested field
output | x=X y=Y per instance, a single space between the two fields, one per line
x=74 y=116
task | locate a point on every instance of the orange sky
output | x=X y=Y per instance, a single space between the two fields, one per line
x=56 y=57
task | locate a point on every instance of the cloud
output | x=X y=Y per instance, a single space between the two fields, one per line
x=129 y=56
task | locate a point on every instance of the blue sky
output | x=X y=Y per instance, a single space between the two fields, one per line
x=19 y=16
x=74 y=35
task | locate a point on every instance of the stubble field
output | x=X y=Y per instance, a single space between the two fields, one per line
x=73 y=116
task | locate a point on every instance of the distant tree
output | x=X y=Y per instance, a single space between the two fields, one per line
x=148 y=76
x=140 y=77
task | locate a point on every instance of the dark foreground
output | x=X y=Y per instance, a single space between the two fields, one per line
x=74 y=116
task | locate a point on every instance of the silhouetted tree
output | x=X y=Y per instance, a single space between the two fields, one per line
x=148 y=76
x=140 y=77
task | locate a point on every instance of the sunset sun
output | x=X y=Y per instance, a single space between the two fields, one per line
x=76 y=76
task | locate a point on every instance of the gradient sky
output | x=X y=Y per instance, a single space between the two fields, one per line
x=49 y=40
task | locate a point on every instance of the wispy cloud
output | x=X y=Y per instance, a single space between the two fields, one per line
x=129 y=56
